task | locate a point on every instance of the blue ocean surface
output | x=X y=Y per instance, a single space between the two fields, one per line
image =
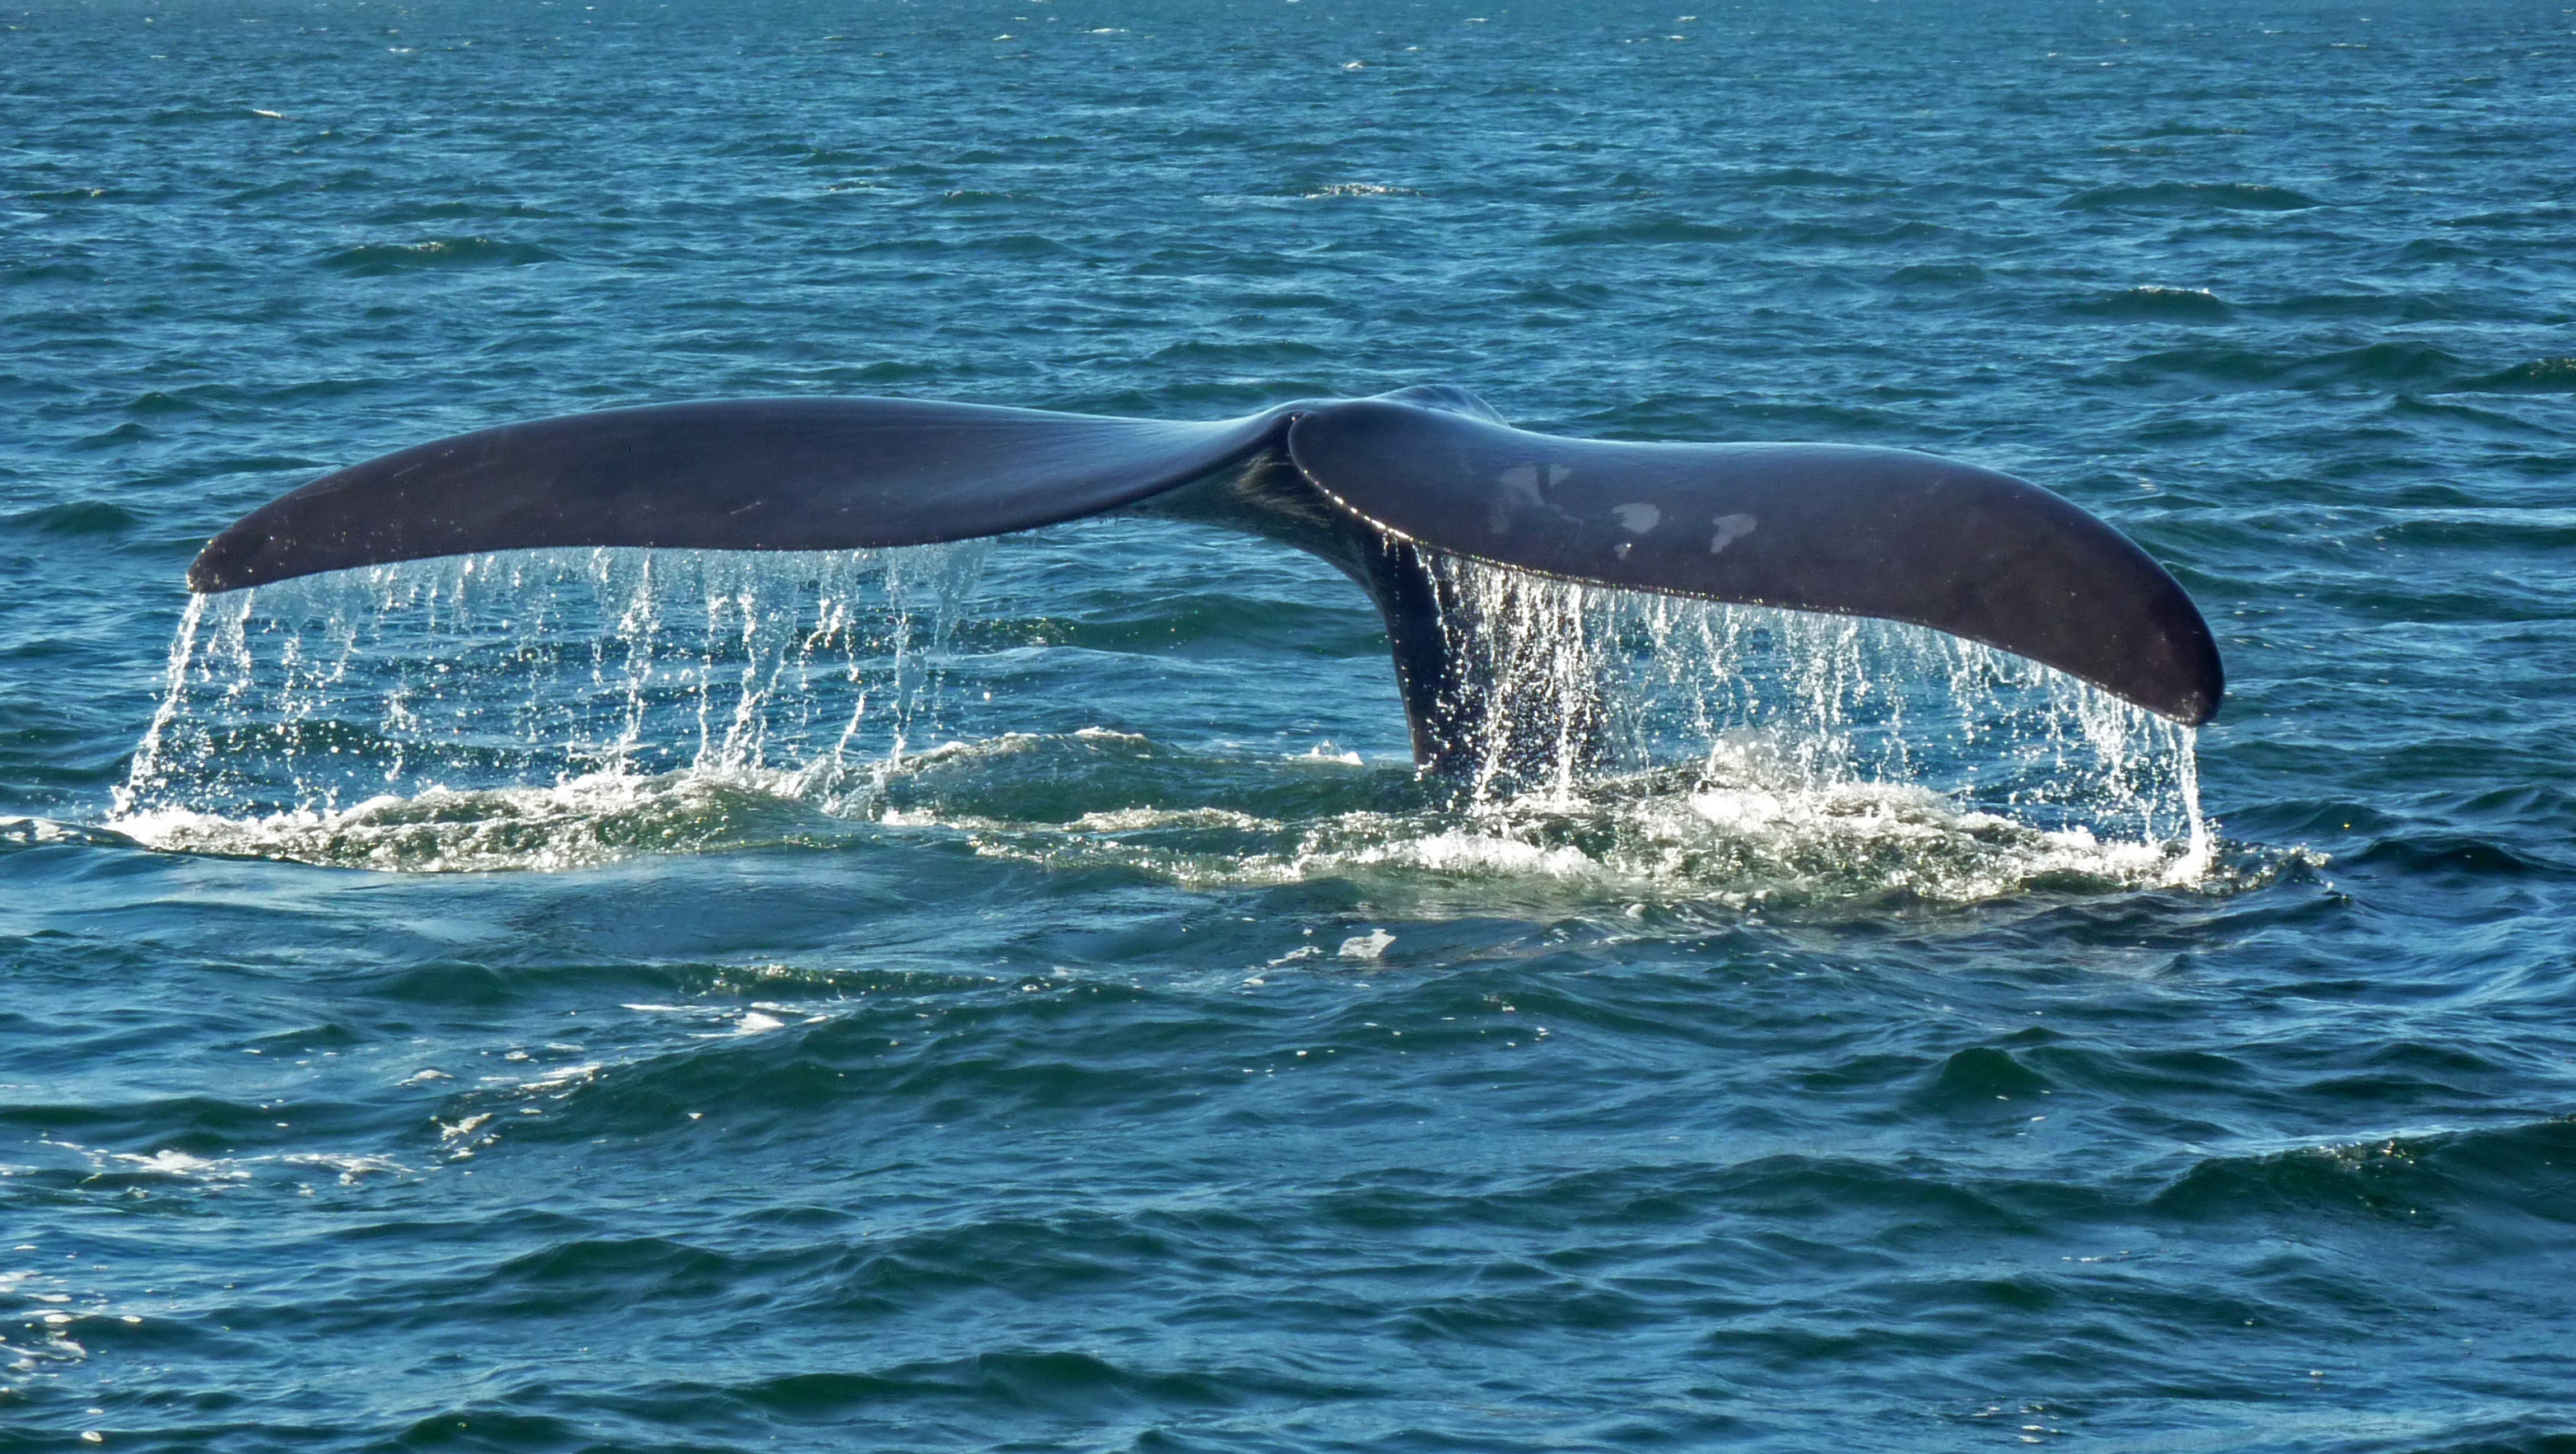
x=1019 y=994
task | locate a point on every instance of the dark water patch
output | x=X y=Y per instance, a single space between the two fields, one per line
x=1200 y=624
x=2537 y=1433
x=1873 y=232
x=1055 y=1382
x=2373 y=1181
x=2210 y=364
x=445 y=981
x=2483 y=420
x=2188 y=128
x=376 y=260
x=968 y=197
x=2484 y=532
x=73 y=518
x=157 y=402
x=2437 y=250
x=2499 y=1177
x=1740 y=418
x=31 y=274
x=2540 y=376
x=194 y=1126
x=484 y=1426
x=1020 y=245
x=1800 y=177
x=1286 y=352
x=122 y=436
x=198 y=470
x=2302 y=818
x=2159 y=1077
x=1646 y=232
x=1818 y=1193
x=2539 y=804
x=2372 y=366
x=1975 y=1081
x=2181 y=428
x=1109 y=785
x=2453 y=1063
x=2550 y=217
x=923 y=1267
x=2191 y=197
x=595 y=1274
x=1582 y=297
x=2456 y=858
x=2176 y=305
x=297 y=187
x=769 y=1080
x=1937 y=275
x=1553 y=1306
x=203 y=115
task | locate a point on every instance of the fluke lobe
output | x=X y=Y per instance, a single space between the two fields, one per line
x=1378 y=486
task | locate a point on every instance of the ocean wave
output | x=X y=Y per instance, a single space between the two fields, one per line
x=2458 y=857
x=1027 y=1382
x=2540 y=376
x=2182 y=305
x=1797 y=177
x=495 y=209
x=1646 y=231
x=33 y=274
x=2379 y=366
x=381 y=259
x=73 y=518
x=1937 y=275
x=2192 y=197
x=2490 y=1175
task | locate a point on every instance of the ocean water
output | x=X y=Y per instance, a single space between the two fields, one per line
x=1018 y=995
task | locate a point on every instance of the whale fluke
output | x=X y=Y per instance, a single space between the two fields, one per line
x=1846 y=529
x=1370 y=484
x=736 y=474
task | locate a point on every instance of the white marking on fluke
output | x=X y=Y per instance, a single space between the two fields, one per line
x=1520 y=487
x=1637 y=519
x=1730 y=529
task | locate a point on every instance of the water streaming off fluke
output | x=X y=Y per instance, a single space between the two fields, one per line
x=552 y=710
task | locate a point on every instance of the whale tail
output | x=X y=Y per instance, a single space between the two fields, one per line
x=1382 y=487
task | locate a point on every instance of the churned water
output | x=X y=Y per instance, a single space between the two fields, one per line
x=1019 y=995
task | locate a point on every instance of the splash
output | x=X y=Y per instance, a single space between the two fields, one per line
x=1798 y=717
x=556 y=710
x=541 y=688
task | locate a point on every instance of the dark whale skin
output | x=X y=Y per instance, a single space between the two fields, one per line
x=1377 y=486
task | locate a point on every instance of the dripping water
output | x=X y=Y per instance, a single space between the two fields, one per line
x=539 y=687
x=555 y=709
x=1800 y=724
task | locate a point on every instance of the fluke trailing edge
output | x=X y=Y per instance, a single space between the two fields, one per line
x=1377 y=486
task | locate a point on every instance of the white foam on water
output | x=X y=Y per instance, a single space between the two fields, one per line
x=557 y=710
x=582 y=822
